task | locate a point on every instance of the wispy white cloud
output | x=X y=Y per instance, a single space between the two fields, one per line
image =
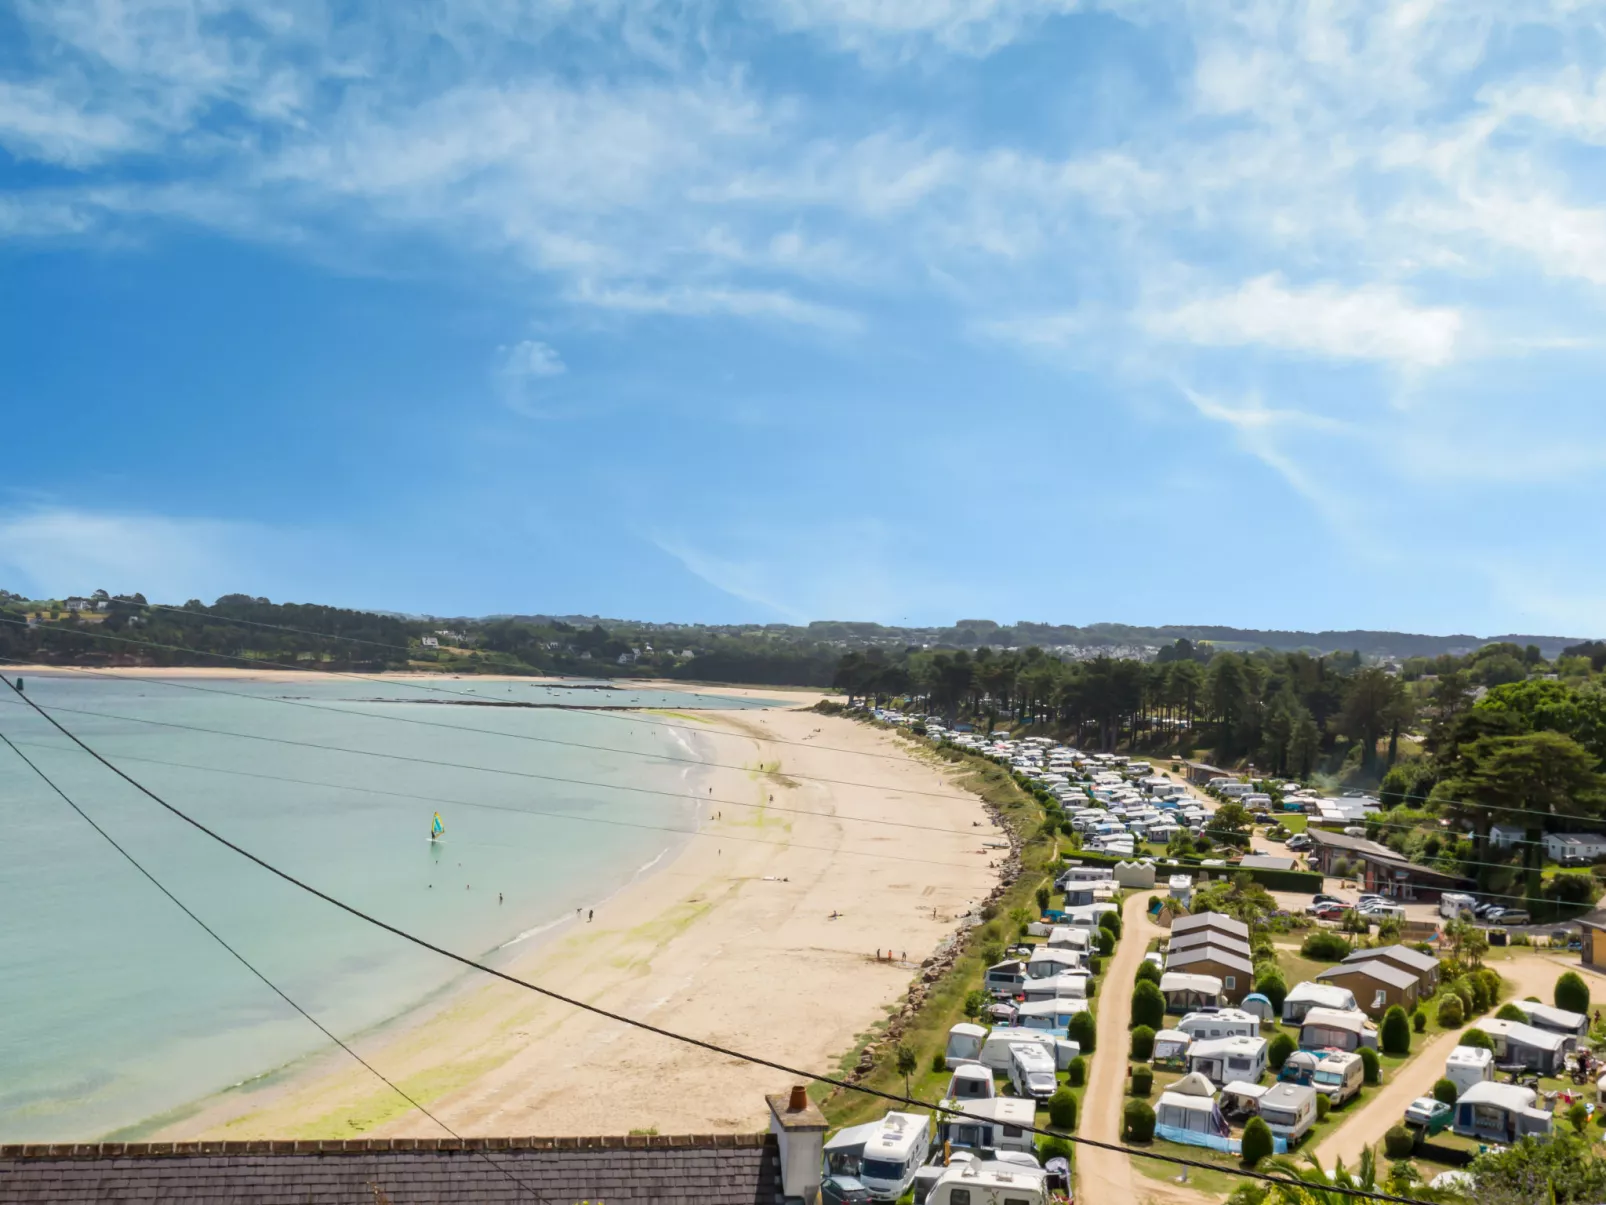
x=1369 y=322
x=895 y=29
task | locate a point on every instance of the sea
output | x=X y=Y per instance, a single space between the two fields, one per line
x=118 y=1013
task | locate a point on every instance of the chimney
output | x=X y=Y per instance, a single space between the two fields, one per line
x=799 y=1129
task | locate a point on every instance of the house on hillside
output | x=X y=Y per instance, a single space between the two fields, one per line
x=1377 y=985
x=1575 y=849
x=1379 y=868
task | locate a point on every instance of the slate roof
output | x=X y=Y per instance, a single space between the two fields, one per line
x=1211 y=920
x=726 y=1169
x=1214 y=955
x=1207 y=937
x=1376 y=968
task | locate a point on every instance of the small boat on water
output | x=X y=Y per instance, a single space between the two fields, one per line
x=436 y=828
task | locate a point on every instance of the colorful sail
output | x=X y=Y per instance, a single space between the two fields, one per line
x=436 y=828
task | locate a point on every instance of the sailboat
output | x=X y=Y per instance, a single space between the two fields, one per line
x=436 y=828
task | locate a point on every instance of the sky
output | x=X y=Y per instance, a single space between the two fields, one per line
x=1278 y=315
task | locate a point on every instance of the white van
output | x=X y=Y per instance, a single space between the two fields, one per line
x=1338 y=1077
x=1453 y=905
x=990 y=1183
x=893 y=1154
x=1031 y=1072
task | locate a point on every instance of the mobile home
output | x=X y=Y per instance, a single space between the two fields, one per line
x=1290 y=1110
x=1045 y=962
x=1005 y=978
x=1225 y=1060
x=996 y=1124
x=1328 y=1028
x=1072 y=985
x=1223 y=1023
x=1536 y=1049
x=971 y=1082
x=1469 y=1065
x=964 y=1044
x=990 y=1183
x=1049 y=1016
x=1184 y=993
x=1499 y=1113
x=1190 y=1107
x=1171 y=1046
x=1305 y=996
x=1556 y=1020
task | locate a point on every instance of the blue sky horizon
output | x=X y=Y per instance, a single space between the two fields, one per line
x=1270 y=315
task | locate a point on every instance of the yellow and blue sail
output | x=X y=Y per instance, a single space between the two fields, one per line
x=436 y=827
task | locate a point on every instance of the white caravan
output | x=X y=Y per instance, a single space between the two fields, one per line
x=893 y=1154
x=990 y=1183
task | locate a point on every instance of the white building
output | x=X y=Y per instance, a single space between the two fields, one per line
x=1575 y=849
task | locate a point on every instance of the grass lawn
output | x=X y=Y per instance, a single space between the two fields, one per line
x=1215 y=1184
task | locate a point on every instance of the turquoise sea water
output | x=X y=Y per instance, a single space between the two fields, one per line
x=115 y=1008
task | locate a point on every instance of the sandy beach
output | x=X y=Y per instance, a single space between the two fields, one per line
x=730 y=941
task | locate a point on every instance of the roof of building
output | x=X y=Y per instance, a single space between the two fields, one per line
x=1194 y=955
x=1373 y=968
x=1554 y=1016
x=1237 y=1044
x=1373 y=852
x=1208 y=937
x=725 y=1169
x=1266 y=862
x=1404 y=955
x=1211 y=920
x=1523 y=1035
x=1176 y=981
x=1328 y=995
x=1335 y=1018
x=1507 y=1096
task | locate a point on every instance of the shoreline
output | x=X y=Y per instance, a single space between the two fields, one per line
x=675 y=945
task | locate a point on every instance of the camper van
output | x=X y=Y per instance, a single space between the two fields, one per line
x=1031 y=1072
x=893 y=1154
x=989 y=1183
x=1453 y=905
x=1338 y=1077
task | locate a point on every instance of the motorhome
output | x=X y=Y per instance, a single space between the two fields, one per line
x=964 y=1044
x=893 y=1153
x=1222 y=1023
x=987 y=1125
x=1224 y=1060
x=1289 y=1109
x=1453 y=905
x=1031 y=1072
x=1339 y=1076
x=1049 y=1016
x=1469 y=1065
x=990 y=1183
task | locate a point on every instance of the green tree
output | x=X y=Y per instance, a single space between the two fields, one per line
x=1398 y=1142
x=1081 y=1030
x=1451 y=1013
x=1142 y=1043
x=1444 y=1091
x=1148 y=1005
x=907 y=1063
x=1475 y=1037
x=1277 y=1052
x=1142 y=1080
x=1562 y=1169
x=1394 y=1035
x=1271 y=984
x=1257 y=1142
x=1374 y=705
x=1571 y=993
x=1150 y=972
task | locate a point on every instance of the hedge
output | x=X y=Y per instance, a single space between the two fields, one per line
x=1148 y=1005
x=1137 y=1122
x=1394 y=1035
x=1444 y=1091
x=1142 y=1044
x=1076 y=1072
x=1371 y=1068
x=1324 y=945
x=1062 y=1109
x=1257 y=1141
x=1277 y=1053
x=1398 y=1142
x=1307 y=881
x=1142 y=1080
x=1081 y=1030
x=1150 y=972
x=1451 y=1014
x=1571 y=993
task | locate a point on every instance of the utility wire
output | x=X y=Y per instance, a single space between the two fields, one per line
x=247 y=964
x=648 y=1027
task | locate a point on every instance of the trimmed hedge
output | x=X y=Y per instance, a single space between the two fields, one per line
x=1076 y=1072
x=1398 y=1142
x=1142 y=1044
x=1571 y=993
x=1325 y=945
x=1278 y=1052
x=1148 y=1005
x=1371 y=1068
x=1444 y=1091
x=1137 y=1122
x=1081 y=1030
x=1150 y=972
x=1257 y=1141
x=1451 y=1014
x=1142 y=1080
x=1394 y=1035
x=1062 y=1109
x=1306 y=881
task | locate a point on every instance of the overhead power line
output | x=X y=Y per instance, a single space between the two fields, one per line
x=249 y=965
x=645 y=1026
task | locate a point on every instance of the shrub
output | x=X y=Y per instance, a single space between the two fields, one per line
x=1149 y=971
x=938 y=1061
x=1080 y=1031
x=1482 y=998
x=976 y=1002
x=1578 y=1114
x=1451 y=1014
x=1371 y=1069
x=1571 y=993
x=1062 y=1109
x=1137 y=1122
x=1510 y=1012
x=1054 y=1148
x=1394 y=1035
x=992 y=953
x=1091 y=986
x=1111 y=921
x=1324 y=1105
x=1444 y=1091
x=1476 y=1037
x=1257 y=1143
x=1076 y=1072
x=1273 y=986
x=1491 y=980
x=1142 y=1080
x=1398 y=1142
x=1142 y=1044
x=1148 y=1005
x=1419 y=1019
x=1324 y=945
x=1095 y=964
x=1042 y=898
x=1278 y=1051
x=1106 y=941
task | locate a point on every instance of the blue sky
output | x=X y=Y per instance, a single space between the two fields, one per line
x=1273 y=314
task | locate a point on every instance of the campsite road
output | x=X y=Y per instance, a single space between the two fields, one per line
x=1526 y=975
x=1106 y=1177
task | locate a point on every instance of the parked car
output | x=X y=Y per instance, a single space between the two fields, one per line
x=843 y=1190
x=1429 y=1115
x=1298 y=841
x=1354 y=830
x=1331 y=912
x=1513 y=916
x=1325 y=899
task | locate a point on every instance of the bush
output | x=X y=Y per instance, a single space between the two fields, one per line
x=1278 y=1051
x=1451 y=1014
x=1578 y=1114
x=976 y=1002
x=1510 y=1012
x=1076 y=1072
x=1482 y=998
x=1062 y=1109
x=1055 y=1148
x=1257 y=1143
x=1142 y=1044
x=1105 y=940
x=1137 y=1122
x=1419 y=1019
x=1324 y=1105
x=1149 y=971
x=1148 y=1005
x=1476 y=1037
x=1324 y=945
x=1491 y=980
x=992 y=953
x=1394 y=1035
x=1111 y=921
x=1042 y=898
x=1095 y=964
x=938 y=1061
x=1572 y=993
x=1398 y=1142
x=1142 y=1080
x=1371 y=1069
x=1444 y=1091
x=1274 y=987
x=1080 y=1031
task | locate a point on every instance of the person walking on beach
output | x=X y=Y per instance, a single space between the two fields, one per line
x=590 y=914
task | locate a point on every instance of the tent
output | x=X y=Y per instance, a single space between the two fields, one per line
x=1259 y=1005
